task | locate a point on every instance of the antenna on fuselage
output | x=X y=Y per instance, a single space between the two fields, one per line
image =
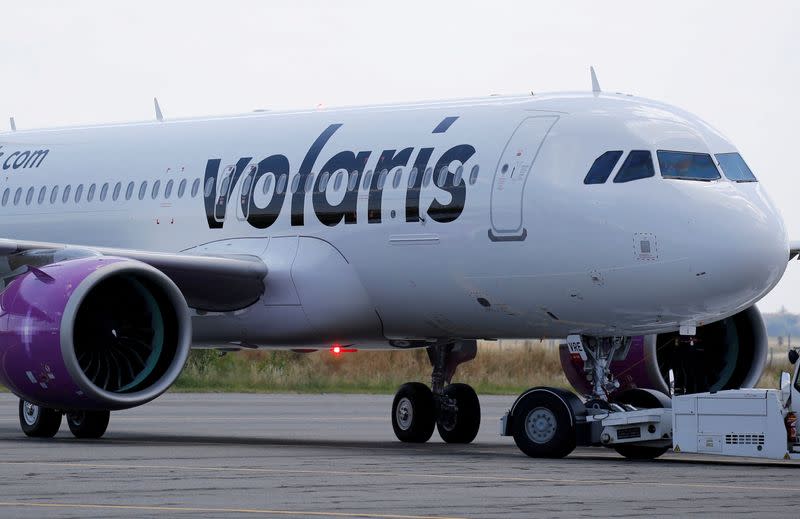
x=595 y=83
x=159 y=115
x=13 y=124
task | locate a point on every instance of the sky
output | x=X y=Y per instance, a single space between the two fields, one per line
x=735 y=64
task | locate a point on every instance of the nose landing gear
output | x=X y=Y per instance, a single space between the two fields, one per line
x=549 y=422
x=453 y=408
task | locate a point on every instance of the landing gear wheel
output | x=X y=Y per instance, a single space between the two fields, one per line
x=37 y=421
x=642 y=399
x=88 y=424
x=413 y=413
x=461 y=426
x=543 y=425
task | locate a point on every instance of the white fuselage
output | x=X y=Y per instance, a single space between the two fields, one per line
x=513 y=245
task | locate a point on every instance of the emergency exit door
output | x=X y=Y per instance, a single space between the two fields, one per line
x=516 y=165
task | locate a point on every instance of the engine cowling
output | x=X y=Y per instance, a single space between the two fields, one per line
x=729 y=354
x=92 y=333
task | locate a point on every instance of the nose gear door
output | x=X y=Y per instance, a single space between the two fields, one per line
x=515 y=166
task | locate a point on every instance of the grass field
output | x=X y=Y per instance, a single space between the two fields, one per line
x=509 y=369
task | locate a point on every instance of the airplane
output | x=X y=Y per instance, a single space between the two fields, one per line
x=629 y=226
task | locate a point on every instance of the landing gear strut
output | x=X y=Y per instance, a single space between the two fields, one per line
x=453 y=408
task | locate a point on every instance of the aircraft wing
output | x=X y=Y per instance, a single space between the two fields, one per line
x=212 y=283
x=794 y=249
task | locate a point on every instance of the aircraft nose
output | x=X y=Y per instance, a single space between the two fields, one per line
x=750 y=245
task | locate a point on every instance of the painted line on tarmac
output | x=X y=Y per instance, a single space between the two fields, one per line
x=459 y=477
x=244 y=418
x=251 y=511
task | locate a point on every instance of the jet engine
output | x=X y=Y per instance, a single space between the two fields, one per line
x=727 y=354
x=94 y=333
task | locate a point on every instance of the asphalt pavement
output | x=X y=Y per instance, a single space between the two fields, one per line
x=243 y=455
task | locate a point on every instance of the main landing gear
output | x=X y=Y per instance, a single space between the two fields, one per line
x=42 y=422
x=549 y=422
x=453 y=409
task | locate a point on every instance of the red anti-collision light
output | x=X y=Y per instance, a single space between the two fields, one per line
x=337 y=349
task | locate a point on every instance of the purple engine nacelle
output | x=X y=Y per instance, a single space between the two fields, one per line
x=728 y=354
x=92 y=333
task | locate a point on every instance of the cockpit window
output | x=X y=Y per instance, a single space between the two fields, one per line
x=684 y=165
x=602 y=167
x=638 y=164
x=734 y=167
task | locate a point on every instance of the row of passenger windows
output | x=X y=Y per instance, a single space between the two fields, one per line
x=681 y=165
x=67 y=194
x=337 y=181
x=341 y=178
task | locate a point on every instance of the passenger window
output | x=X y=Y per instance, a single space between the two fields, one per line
x=426 y=178
x=735 y=168
x=6 y=193
x=245 y=187
x=352 y=180
x=309 y=183
x=29 y=196
x=42 y=194
x=90 y=193
x=638 y=164
x=382 y=179
x=398 y=176
x=195 y=187
x=412 y=178
x=53 y=195
x=367 y=181
x=459 y=175
x=441 y=177
x=117 y=189
x=602 y=167
x=78 y=193
x=181 y=188
x=209 y=187
x=684 y=165
x=280 y=186
x=104 y=192
x=267 y=183
x=65 y=196
x=296 y=183
x=337 y=183
x=142 y=190
x=17 y=195
x=156 y=188
x=168 y=188
x=129 y=191
x=473 y=175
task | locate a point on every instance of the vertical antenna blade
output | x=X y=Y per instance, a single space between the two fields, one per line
x=595 y=84
x=13 y=124
x=159 y=115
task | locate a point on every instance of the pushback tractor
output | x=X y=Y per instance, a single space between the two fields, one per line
x=640 y=424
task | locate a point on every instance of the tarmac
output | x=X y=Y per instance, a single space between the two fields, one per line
x=246 y=455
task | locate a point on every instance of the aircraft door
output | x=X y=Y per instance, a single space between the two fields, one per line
x=515 y=166
x=243 y=207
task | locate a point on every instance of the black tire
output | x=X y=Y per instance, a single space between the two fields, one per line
x=88 y=424
x=413 y=413
x=463 y=427
x=37 y=421
x=642 y=399
x=543 y=424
